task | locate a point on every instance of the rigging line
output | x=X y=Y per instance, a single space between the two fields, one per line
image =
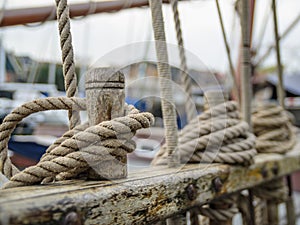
x=166 y=89
x=284 y=34
x=263 y=29
x=91 y=10
x=51 y=16
x=232 y=71
x=280 y=89
x=185 y=78
x=233 y=29
x=280 y=96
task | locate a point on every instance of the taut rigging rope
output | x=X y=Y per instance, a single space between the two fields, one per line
x=168 y=107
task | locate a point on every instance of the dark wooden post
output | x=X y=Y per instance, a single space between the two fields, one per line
x=105 y=101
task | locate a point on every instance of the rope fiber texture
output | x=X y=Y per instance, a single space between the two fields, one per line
x=217 y=135
x=70 y=78
x=273 y=128
x=185 y=78
x=275 y=191
x=167 y=102
x=222 y=209
x=75 y=151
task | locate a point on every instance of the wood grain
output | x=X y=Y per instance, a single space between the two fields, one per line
x=144 y=197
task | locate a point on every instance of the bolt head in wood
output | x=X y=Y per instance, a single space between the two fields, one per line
x=217 y=184
x=72 y=218
x=191 y=192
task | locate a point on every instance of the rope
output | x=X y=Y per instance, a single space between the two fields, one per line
x=232 y=71
x=74 y=152
x=217 y=135
x=185 y=79
x=220 y=209
x=11 y=120
x=275 y=191
x=67 y=56
x=273 y=129
x=168 y=108
x=280 y=85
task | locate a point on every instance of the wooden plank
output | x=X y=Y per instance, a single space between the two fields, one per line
x=142 y=198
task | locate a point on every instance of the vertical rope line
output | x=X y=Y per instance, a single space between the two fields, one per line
x=232 y=71
x=168 y=106
x=185 y=79
x=280 y=96
x=67 y=56
x=280 y=90
x=246 y=72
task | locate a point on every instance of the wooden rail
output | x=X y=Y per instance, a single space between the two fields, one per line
x=144 y=197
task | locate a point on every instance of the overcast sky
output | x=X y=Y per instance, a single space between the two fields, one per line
x=106 y=34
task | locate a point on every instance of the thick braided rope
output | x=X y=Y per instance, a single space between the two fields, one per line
x=67 y=56
x=79 y=152
x=221 y=209
x=185 y=79
x=168 y=108
x=273 y=129
x=217 y=135
x=275 y=190
x=274 y=132
x=11 y=120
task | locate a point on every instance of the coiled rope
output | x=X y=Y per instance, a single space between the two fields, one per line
x=275 y=191
x=274 y=131
x=217 y=135
x=272 y=126
x=220 y=209
x=200 y=140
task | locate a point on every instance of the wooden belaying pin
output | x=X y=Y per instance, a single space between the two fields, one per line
x=105 y=101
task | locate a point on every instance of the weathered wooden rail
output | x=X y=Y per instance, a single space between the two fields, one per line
x=144 y=197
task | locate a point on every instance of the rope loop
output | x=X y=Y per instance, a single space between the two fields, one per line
x=75 y=151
